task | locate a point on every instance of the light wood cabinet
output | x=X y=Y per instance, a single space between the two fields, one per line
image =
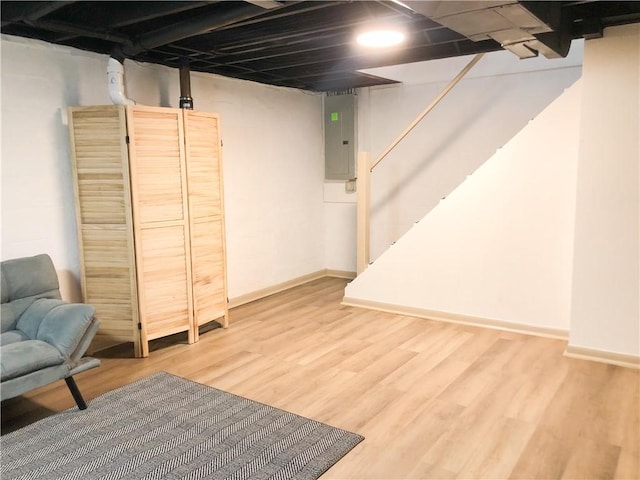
x=149 y=203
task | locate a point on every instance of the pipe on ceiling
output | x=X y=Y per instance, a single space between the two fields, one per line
x=137 y=12
x=169 y=34
x=186 y=101
x=115 y=75
x=40 y=11
x=202 y=24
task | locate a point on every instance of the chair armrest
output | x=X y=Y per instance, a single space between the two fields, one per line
x=60 y=324
x=84 y=364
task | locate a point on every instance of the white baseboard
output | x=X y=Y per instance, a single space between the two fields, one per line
x=294 y=282
x=613 y=358
x=458 y=318
x=340 y=274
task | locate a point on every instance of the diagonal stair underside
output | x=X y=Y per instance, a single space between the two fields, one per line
x=498 y=250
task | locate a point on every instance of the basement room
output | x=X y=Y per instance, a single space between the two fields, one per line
x=307 y=239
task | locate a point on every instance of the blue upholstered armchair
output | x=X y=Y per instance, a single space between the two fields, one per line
x=43 y=338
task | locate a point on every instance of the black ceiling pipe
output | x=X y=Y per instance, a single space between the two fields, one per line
x=185 y=86
x=189 y=28
x=139 y=12
x=19 y=11
x=136 y=12
x=45 y=9
x=63 y=27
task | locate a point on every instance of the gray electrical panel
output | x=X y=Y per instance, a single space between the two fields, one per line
x=339 y=137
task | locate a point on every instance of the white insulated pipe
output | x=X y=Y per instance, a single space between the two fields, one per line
x=115 y=75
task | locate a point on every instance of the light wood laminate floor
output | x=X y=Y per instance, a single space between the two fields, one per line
x=434 y=400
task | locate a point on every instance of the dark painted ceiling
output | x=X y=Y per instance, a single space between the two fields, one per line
x=308 y=44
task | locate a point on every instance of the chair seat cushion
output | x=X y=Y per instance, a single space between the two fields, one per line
x=20 y=358
x=12 y=336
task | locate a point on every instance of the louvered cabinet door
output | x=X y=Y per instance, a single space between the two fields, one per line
x=204 y=180
x=160 y=217
x=103 y=214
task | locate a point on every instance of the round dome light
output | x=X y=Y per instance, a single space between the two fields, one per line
x=380 y=38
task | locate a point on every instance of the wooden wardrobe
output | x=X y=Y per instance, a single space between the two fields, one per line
x=149 y=203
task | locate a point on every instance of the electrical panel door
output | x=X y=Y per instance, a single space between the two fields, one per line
x=339 y=136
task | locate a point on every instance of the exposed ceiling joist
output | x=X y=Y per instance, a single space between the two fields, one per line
x=309 y=44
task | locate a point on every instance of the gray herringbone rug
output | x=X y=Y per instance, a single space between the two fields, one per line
x=166 y=427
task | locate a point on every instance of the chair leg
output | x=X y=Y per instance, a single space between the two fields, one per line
x=77 y=396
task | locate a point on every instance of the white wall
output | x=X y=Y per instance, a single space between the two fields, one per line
x=488 y=107
x=485 y=110
x=340 y=227
x=498 y=248
x=547 y=232
x=606 y=283
x=273 y=165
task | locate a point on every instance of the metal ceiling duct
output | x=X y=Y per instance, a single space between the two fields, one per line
x=524 y=28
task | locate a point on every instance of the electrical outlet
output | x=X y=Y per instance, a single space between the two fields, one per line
x=350 y=186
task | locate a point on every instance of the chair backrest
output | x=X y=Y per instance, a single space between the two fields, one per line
x=24 y=280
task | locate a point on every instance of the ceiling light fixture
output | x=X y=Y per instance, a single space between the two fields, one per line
x=380 y=38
